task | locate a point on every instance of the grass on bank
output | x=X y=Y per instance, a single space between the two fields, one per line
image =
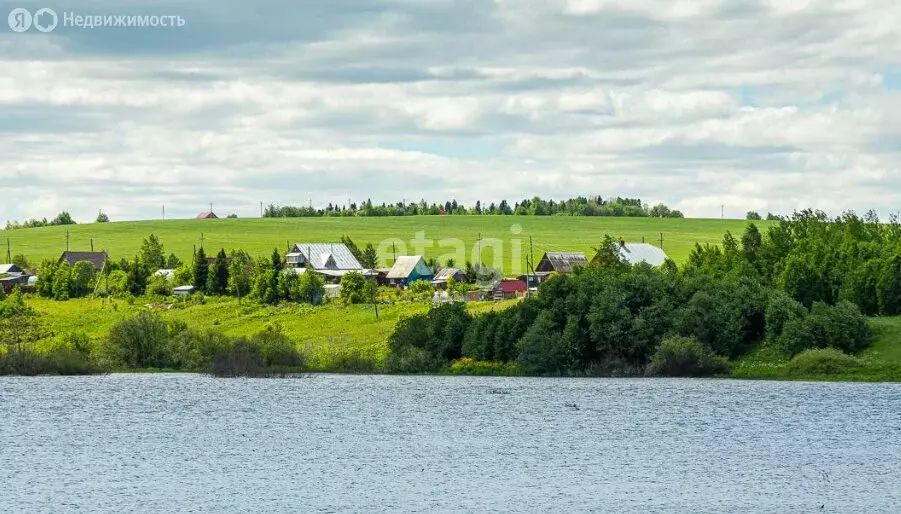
x=327 y=335
x=881 y=362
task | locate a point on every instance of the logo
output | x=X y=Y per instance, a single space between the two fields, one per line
x=19 y=19
x=45 y=19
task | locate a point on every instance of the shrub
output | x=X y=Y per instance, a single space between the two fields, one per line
x=781 y=309
x=544 y=349
x=841 y=326
x=685 y=357
x=410 y=359
x=138 y=342
x=439 y=334
x=353 y=362
x=822 y=361
x=160 y=286
x=468 y=366
x=240 y=358
x=277 y=350
x=353 y=288
x=420 y=290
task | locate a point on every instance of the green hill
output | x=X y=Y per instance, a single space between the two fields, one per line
x=260 y=236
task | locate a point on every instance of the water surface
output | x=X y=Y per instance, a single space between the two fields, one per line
x=327 y=443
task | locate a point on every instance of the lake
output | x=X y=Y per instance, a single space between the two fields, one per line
x=327 y=443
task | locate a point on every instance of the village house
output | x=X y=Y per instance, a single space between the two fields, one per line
x=98 y=259
x=331 y=260
x=440 y=280
x=12 y=276
x=561 y=262
x=408 y=269
x=533 y=280
x=206 y=215
x=510 y=288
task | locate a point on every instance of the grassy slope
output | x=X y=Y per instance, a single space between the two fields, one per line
x=324 y=333
x=260 y=236
x=879 y=363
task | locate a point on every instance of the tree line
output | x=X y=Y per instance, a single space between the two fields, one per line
x=536 y=206
x=806 y=283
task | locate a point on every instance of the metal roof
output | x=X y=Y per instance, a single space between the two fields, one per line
x=405 y=264
x=10 y=268
x=445 y=273
x=333 y=256
x=565 y=262
x=634 y=253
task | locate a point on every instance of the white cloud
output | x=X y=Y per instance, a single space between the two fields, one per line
x=768 y=106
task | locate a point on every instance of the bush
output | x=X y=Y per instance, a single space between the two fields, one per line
x=159 y=286
x=468 y=366
x=410 y=359
x=240 y=358
x=138 y=342
x=824 y=361
x=277 y=350
x=841 y=326
x=439 y=334
x=685 y=357
x=353 y=362
x=353 y=288
x=780 y=310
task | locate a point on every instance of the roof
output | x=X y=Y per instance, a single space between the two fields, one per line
x=168 y=273
x=10 y=268
x=634 y=253
x=333 y=256
x=445 y=273
x=512 y=285
x=565 y=262
x=95 y=258
x=180 y=289
x=406 y=264
x=206 y=215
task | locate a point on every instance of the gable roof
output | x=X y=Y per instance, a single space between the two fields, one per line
x=445 y=273
x=336 y=256
x=95 y=258
x=10 y=268
x=564 y=262
x=405 y=265
x=512 y=285
x=207 y=215
x=634 y=253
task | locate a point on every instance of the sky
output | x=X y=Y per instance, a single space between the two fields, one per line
x=704 y=105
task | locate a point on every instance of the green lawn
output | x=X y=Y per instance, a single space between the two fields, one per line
x=260 y=236
x=323 y=333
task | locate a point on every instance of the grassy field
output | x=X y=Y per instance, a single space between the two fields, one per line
x=323 y=333
x=508 y=234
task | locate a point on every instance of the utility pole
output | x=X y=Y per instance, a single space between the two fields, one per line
x=164 y=213
x=211 y=207
x=661 y=240
x=479 y=255
x=394 y=251
x=67 y=240
x=8 y=257
x=201 y=239
x=261 y=209
x=530 y=270
x=722 y=211
x=92 y=244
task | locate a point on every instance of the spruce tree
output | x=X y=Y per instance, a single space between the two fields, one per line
x=200 y=270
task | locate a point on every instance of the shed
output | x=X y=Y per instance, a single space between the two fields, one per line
x=183 y=290
x=440 y=280
x=509 y=288
x=635 y=253
x=206 y=215
x=562 y=262
x=8 y=269
x=95 y=258
x=408 y=269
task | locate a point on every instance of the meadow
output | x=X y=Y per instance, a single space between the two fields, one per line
x=504 y=239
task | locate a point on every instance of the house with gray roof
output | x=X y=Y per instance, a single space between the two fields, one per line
x=562 y=262
x=331 y=260
x=95 y=258
x=408 y=269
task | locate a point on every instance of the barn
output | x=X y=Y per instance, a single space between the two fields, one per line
x=562 y=262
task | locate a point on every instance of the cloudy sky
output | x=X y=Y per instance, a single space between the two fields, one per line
x=772 y=105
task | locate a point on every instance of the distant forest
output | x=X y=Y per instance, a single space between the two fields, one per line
x=579 y=206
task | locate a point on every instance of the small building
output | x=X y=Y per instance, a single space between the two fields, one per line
x=533 y=280
x=562 y=262
x=206 y=215
x=183 y=290
x=331 y=260
x=10 y=269
x=98 y=259
x=510 y=288
x=440 y=280
x=332 y=291
x=9 y=281
x=408 y=269
x=635 y=253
